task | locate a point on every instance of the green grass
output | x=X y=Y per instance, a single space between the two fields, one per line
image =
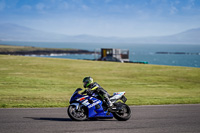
x=46 y=82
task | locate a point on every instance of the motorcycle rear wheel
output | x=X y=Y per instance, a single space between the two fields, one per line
x=124 y=114
x=78 y=115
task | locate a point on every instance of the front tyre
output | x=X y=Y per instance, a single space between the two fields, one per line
x=123 y=114
x=78 y=115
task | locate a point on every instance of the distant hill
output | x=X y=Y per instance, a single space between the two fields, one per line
x=13 y=32
x=191 y=36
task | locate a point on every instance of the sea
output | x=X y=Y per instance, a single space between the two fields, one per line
x=186 y=55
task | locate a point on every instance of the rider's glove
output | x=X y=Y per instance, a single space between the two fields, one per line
x=84 y=92
x=89 y=92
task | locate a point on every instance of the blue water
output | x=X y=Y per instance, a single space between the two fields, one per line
x=138 y=52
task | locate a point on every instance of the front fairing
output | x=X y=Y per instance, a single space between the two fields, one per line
x=75 y=95
x=95 y=108
x=93 y=105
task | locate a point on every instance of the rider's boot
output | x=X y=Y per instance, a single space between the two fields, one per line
x=109 y=104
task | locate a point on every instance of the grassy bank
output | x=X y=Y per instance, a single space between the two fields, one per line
x=46 y=82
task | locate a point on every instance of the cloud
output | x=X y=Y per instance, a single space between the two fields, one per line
x=84 y=7
x=174 y=7
x=2 y=5
x=26 y=7
x=173 y=10
x=189 y=5
x=191 y=2
x=65 y=5
x=108 y=1
x=40 y=6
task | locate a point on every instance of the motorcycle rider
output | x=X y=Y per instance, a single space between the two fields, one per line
x=94 y=87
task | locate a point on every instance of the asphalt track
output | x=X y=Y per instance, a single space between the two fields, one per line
x=145 y=119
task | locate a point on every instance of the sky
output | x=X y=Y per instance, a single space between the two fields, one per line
x=108 y=18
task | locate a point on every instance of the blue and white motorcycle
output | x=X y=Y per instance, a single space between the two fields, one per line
x=83 y=107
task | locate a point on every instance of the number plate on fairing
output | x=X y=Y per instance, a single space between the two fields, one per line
x=124 y=99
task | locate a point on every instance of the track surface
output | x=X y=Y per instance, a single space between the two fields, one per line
x=145 y=119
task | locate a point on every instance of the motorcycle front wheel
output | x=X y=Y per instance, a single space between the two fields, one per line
x=124 y=114
x=78 y=115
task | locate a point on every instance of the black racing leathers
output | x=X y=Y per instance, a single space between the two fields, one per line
x=97 y=89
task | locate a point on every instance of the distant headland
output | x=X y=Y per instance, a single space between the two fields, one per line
x=27 y=50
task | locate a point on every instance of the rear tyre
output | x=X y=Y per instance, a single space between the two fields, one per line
x=78 y=115
x=124 y=114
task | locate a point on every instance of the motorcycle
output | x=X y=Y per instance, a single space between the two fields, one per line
x=83 y=107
